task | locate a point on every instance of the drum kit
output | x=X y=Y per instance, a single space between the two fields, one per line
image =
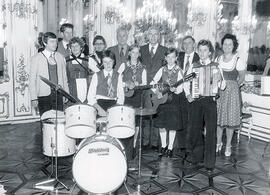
x=99 y=162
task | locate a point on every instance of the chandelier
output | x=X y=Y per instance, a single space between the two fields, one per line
x=249 y=26
x=196 y=13
x=153 y=13
x=117 y=12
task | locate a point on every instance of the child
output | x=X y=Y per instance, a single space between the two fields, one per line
x=106 y=87
x=203 y=111
x=169 y=114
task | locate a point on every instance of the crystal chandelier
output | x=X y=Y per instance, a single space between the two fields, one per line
x=249 y=26
x=196 y=13
x=117 y=12
x=153 y=13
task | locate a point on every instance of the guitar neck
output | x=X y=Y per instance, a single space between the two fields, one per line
x=144 y=87
x=178 y=83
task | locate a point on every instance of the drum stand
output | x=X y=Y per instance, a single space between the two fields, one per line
x=141 y=113
x=55 y=181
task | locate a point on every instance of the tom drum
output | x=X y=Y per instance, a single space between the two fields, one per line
x=80 y=121
x=121 y=121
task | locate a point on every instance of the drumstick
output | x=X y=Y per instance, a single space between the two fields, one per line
x=101 y=111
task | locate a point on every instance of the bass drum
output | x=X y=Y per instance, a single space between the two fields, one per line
x=100 y=165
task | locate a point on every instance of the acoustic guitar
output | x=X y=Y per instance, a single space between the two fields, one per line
x=164 y=94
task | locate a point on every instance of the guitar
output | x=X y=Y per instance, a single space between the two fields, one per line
x=164 y=94
x=130 y=92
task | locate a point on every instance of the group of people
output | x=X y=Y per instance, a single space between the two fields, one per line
x=192 y=124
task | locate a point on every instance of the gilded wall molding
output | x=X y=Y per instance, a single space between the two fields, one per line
x=4 y=105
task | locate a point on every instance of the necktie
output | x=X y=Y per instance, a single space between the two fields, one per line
x=187 y=65
x=152 y=52
x=110 y=87
x=122 y=53
x=52 y=59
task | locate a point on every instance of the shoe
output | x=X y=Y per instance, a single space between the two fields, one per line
x=228 y=151
x=162 y=151
x=190 y=165
x=169 y=153
x=209 y=170
x=219 y=146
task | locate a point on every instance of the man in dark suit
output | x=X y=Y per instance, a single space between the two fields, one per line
x=121 y=49
x=66 y=31
x=185 y=59
x=153 y=55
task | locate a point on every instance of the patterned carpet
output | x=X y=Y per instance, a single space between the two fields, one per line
x=247 y=171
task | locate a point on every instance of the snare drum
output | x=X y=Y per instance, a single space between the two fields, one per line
x=65 y=145
x=100 y=165
x=80 y=121
x=121 y=121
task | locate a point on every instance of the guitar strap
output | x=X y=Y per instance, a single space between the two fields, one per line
x=182 y=73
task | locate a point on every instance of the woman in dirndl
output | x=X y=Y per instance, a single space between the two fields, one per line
x=229 y=103
x=168 y=114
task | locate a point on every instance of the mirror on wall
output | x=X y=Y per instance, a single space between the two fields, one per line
x=260 y=40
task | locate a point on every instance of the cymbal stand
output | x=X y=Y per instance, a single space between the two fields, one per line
x=54 y=180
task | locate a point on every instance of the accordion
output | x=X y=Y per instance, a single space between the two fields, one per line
x=206 y=82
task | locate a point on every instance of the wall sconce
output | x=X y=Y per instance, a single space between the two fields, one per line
x=63 y=21
x=268 y=29
x=22 y=9
x=89 y=22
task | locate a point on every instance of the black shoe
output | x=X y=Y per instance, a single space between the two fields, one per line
x=162 y=151
x=169 y=153
x=190 y=165
x=209 y=170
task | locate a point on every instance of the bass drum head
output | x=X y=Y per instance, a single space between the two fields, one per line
x=99 y=166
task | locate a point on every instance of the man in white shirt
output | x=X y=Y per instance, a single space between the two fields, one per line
x=66 y=31
x=153 y=55
x=121 y=49
x=185 y=60
x=52 y=66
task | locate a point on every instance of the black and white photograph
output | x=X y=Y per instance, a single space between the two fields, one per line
x=135 y=97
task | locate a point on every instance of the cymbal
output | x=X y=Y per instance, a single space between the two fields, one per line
x=59 y=89
x=145 y=111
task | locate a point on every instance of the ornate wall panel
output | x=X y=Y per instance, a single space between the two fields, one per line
x=20 y=29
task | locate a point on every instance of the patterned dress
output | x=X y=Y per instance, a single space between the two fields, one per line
x=229 y=103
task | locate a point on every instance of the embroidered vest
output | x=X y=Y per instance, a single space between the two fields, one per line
x=102 y=86
x=170 y=76
x=133 y=73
